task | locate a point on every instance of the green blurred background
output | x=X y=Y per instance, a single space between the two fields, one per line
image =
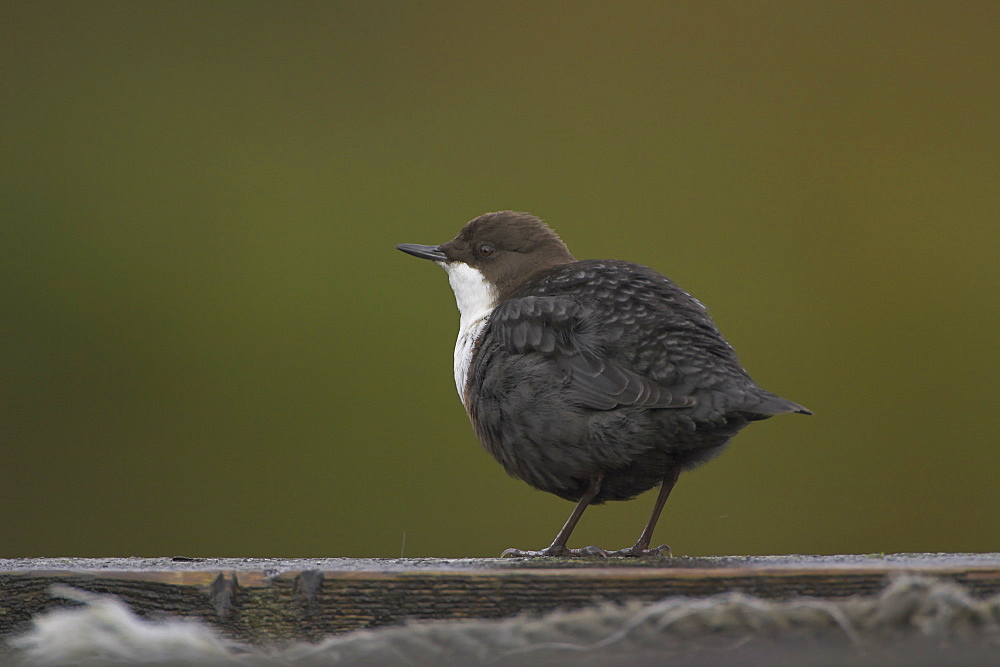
x=209 y=345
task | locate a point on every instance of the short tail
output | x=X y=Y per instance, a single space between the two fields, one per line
x=771 y=404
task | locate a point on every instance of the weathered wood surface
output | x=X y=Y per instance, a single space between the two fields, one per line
x=274 y=600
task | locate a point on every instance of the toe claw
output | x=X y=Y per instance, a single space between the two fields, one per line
x=511 y=553
x=662 y=551
x=593 y=551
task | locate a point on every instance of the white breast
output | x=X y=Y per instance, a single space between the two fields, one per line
x=475 y=298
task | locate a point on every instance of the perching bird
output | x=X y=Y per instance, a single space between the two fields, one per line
x=593 y=380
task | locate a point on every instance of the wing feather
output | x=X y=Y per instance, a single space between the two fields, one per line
x=555 y=328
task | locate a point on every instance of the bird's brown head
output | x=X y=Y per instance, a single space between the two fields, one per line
x=505 y=247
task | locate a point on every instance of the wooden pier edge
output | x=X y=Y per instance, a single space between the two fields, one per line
x=278 y=600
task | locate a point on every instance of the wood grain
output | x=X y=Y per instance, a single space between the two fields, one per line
x=269 y=600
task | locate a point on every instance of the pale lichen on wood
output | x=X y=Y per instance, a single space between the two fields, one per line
x=267 y=600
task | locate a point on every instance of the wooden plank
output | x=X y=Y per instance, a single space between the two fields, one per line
x=267 y=600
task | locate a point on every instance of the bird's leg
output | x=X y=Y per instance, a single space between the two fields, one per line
x=558 y=546
x=641 y=547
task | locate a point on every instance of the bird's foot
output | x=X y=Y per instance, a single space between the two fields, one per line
x=557 y=552
x=640 y=551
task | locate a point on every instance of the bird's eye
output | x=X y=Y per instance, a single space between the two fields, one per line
x=486 y=250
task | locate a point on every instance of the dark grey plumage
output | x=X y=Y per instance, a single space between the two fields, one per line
x=635 y=381
x=593 y=380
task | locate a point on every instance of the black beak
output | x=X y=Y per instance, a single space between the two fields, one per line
x=423 y=251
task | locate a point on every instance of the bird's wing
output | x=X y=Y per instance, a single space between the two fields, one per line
x=555 y=328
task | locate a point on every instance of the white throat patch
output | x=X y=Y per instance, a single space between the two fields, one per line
x=476 y=299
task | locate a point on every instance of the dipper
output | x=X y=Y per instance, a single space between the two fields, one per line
x=593 y=380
